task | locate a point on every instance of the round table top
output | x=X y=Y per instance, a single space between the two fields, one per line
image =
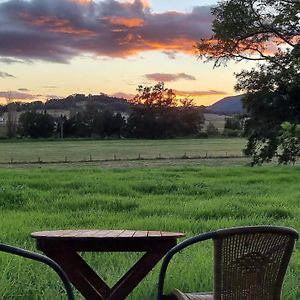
x=104 y=234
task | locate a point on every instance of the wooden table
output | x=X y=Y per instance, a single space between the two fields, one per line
x=63 y=247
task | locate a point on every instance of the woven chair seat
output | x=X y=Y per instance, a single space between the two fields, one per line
x=178 y=295
x=249 y=263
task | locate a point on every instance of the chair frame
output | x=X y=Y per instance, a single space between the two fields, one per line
x=214 y=235
x=43 y=259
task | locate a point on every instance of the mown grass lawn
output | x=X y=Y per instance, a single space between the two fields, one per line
x=186 y=199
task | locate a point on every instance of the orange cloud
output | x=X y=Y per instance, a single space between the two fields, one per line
x=177 y=44
x=133 y=44
x=127 y=22
x=106 y=28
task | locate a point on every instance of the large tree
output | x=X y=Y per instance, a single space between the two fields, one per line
x=35 y=125
x=268 y=32
x=158 y=113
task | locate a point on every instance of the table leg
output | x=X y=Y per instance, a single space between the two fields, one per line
x=135 y=275
x=91 y=285
x=83 y=277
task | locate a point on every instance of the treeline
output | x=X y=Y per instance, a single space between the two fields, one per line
x=155 y=112
x=167 y=122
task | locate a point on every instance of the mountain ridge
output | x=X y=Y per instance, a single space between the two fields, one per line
x=227 y=105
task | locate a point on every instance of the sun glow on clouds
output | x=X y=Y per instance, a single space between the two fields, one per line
x=92 y=35
x=105 y=28
x=127 y=22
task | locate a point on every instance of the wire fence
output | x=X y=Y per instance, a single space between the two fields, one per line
x=139 y=157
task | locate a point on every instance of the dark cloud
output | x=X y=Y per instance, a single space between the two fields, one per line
x=23 y=90
x=5 y=75
x=167 y=77
x=57 y=30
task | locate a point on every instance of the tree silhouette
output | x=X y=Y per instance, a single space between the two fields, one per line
x=35 y=125
x=156 y=114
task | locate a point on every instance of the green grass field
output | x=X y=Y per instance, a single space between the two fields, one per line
x=186 y=199
x=120 y=149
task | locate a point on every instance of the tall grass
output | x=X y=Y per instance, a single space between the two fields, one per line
x=189 y=199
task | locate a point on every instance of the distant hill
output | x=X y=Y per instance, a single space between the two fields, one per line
x=228 y=105
x=79 y=101
x=75 y=103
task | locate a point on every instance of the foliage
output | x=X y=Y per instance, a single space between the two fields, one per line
x=93 y=121
x=156 y=114
x=253 y=30
x=232 y=133
x=233 y=123
x=289 y=141
x=33 y=124
x=233 y=127
x=11 y=123
x=212 y=130
x=268 y=32
x=155 y=96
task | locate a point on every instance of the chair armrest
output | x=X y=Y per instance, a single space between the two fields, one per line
x=43 y=259
x=173 y=251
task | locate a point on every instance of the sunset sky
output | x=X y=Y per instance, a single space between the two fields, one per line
x=54 y=48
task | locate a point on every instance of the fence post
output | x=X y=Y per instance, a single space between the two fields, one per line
x=11 y=160
x=115 y=157
x=66 y=159
x=91 y=157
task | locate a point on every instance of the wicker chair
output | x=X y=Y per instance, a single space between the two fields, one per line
x=43 y=259
x=249 y=263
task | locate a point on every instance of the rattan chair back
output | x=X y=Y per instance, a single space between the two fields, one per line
x=250 y=262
